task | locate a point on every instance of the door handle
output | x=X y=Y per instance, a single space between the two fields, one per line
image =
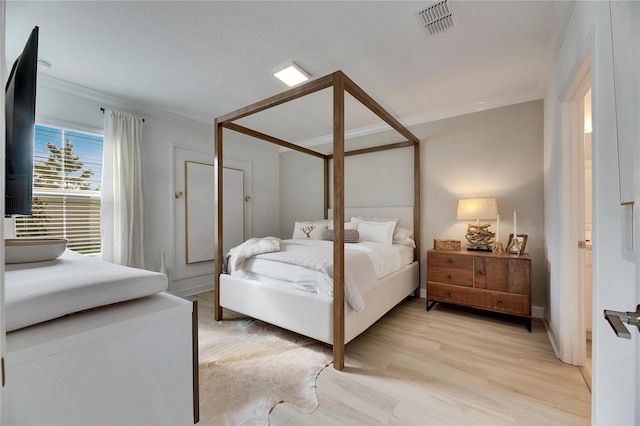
x=617 y=320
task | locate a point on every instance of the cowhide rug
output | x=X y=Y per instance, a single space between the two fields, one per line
x=248 y=366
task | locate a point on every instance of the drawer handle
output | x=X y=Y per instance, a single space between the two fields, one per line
x=479 y=272
x=448 y=295
x=499 y=302
x=449 y=277
x=449 y=260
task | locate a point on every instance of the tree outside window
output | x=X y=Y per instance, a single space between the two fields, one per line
x=66 y=188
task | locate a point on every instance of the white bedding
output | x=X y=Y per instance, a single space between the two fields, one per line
x=307 y=265
x=41 y=291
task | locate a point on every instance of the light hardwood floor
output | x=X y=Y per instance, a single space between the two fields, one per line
x=448 y=366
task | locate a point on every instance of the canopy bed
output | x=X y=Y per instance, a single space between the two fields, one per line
x=332 y=319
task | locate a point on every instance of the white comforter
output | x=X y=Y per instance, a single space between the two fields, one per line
x=308 y=265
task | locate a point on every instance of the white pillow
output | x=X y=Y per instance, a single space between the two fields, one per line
x=309 y=230
x=347 y=225
x=378 y=232
x=375 y=219
x=401 y=233
x=409 y=242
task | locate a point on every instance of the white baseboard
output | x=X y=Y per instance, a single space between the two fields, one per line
x=552 y=339
x=537 y=312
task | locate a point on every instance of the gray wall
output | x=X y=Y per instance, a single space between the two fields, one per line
x=495 y=153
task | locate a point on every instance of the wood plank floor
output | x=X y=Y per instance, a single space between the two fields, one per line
x=448 y=366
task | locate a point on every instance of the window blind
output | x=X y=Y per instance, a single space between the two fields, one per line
x=66 y=189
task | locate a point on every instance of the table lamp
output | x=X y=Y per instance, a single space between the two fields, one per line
x=478 y=236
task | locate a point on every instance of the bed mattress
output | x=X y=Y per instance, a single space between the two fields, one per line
x=376 y=261
x=41 y=291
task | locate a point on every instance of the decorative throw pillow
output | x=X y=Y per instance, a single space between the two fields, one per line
x=350 y=235
x=377 y=232
x=309 y=230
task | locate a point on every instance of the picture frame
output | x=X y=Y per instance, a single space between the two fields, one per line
x=522 y=244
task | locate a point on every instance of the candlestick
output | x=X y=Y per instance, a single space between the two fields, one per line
x=514 y=224
x=498 y=229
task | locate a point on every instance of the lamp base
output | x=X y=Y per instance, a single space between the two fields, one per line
x=479 y=238
x=489 y=249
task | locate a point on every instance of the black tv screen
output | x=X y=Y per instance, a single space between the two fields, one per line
x=20 y=116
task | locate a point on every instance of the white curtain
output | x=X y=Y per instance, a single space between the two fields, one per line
x=121 y=207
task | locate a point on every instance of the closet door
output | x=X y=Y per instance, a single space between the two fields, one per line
x=194 y=210
x=232 y=208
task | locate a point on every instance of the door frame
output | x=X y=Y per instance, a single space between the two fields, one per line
x=571 y=343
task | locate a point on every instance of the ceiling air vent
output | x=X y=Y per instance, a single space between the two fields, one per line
x=436 y=18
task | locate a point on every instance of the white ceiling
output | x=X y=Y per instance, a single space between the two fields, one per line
x=203 y=59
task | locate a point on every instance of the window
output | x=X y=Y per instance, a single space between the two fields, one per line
x=66 y=189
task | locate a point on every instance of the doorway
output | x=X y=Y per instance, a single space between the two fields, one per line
x=588 y=241
x=572 y=343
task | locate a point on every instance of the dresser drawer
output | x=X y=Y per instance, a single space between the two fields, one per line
x=500 y=274
x=459 y=277
x=514 y=304
x=449 y=261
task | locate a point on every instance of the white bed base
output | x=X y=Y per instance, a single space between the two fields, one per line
x=311 y=314
x=126 y=364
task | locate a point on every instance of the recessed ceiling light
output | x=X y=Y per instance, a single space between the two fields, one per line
x=292 y=75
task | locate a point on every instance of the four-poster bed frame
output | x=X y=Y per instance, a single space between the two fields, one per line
x=340 y=83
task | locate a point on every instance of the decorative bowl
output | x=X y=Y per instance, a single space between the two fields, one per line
x=27 y=250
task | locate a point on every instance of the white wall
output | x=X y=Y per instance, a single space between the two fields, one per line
x=589 y=32
x=495 y=153
x=301 y=190
x=66 y=104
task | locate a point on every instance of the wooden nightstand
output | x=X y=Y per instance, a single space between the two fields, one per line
x=480 y=280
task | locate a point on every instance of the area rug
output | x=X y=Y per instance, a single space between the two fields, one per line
x=248 y=366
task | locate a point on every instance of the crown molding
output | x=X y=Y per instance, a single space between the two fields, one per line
x=516 y=98
x=114 y=101
x=151 y=112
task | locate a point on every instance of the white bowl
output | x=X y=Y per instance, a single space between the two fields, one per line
x=27 y=250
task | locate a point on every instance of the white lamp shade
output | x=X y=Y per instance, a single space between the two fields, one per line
x=477 y=208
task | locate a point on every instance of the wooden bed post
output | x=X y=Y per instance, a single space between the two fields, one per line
x=217 y=199
x=338 y=220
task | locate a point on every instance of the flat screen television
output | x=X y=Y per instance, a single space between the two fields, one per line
x=20 y=117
